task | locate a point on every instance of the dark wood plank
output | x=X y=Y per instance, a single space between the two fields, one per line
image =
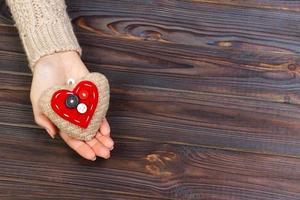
x=176 y=116
x=5 y=18
x=140 y=169
x=186 y=50
x=130 y=63
x=153 y=113
x=270 y=63
x=222 y=50
x=282 y=5
x=267 y=83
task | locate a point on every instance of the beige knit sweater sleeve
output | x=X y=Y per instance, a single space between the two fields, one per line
x=44 y=27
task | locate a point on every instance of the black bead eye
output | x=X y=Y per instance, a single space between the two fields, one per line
x=72 y=101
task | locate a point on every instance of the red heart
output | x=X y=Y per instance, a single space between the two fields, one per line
x=71 y=114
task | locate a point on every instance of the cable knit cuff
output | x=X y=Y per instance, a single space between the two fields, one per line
x=49 y=39
x=44 y=28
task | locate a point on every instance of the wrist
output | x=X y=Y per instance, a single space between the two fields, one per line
x=69 y=63
x=73 y=65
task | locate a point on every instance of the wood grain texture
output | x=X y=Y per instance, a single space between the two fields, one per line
x=205 y=103
x=141 y=169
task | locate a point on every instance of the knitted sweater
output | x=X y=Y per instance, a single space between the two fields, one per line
x=44 y=27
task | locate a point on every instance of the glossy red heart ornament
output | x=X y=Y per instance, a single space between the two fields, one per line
x=71 y=114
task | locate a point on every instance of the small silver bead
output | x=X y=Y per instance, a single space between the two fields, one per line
x=71 y=81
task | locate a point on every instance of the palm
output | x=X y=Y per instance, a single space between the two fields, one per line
x=51 y=71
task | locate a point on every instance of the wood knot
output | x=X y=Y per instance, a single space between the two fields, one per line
x=151 y=35
x=225 y=44
x=162 y=164
x=292 y=67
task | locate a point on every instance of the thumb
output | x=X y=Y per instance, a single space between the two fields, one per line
x=44 y=122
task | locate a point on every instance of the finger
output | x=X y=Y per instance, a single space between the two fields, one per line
x=105 y=128
x=105 y=140
x=99 y=148
x=79 y=146
x=44 y=122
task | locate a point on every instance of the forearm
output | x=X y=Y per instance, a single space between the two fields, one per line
x=44 y=27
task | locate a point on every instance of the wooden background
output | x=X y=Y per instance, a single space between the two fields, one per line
x=205 y=103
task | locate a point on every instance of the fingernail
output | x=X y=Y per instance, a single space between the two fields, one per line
x=112 y=148
x=94 y=158
x=49 y=132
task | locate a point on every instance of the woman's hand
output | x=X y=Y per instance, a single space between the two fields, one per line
x=54 y=70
